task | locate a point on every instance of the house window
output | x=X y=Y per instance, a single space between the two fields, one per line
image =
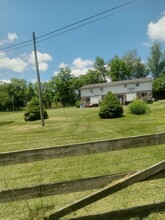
x=144 y=94
x=125 y=86
x=137 y=84
x=91 y=90
x=120 y=98
x=101 y=89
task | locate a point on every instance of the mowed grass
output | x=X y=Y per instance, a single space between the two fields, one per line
x=72 y=125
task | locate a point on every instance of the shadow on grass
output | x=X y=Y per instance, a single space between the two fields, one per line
x=126 y=214
x=5 y=122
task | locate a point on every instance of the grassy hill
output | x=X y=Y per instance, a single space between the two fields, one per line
x=72 y=125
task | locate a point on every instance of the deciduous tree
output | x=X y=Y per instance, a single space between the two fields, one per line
x=118 y=69
x=156 y=61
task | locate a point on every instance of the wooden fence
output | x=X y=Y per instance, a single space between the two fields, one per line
x=121 y=184
x=124 y=179
x=26 y=156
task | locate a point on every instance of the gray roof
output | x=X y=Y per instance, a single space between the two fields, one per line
x=123 y=82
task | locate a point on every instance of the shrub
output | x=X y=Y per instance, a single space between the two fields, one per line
x=110 y=107
x=138 y=107
x=32 y=112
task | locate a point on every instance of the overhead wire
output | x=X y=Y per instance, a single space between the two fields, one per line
x=123 y=6
x=15 y=45
x=79 y=26
x=88 y=18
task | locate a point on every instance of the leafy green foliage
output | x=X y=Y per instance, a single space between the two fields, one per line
x=32 y=112
x=156 y=61
x=118 y=69
x=110 y=107
x=17 y=90
x=65 y=88
x=135 y=67
x=159 y=87
x=138 y=107
x=5 y=100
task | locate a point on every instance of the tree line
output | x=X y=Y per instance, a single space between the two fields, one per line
x=63 y=88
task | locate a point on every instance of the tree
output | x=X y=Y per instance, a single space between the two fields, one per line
x=156 y=61
x=5 y=100
x=159 y=87
x=17 y=92
x=65 y=90
x=47 y=94
x=100 y=67
x=135 y=67
x=30 y=91
x=118 y=69
x=91 y=77
x=32 y=112
x=98 y=74
x=110 y=107
x=140 y=69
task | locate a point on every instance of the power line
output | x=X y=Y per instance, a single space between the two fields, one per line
x=15 y=45
x=88 y=18
x=79 y=26
x=128 y=4
x=16 y=48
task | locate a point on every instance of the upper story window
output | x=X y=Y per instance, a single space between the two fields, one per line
x=91 y=90
x=137 y=84
x=101 y=89
x=125 y=85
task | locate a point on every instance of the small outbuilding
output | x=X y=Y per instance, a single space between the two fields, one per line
x=126 y=91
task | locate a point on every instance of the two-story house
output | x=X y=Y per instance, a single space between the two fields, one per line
x=126 y=91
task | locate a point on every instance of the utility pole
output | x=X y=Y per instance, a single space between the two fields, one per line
x=38 y=79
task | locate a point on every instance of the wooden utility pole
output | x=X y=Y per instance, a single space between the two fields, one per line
x=38 y=79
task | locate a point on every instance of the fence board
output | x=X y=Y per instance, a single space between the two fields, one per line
x=78 y=185
x=121 y=184
x=59 y=188
x=26 y=156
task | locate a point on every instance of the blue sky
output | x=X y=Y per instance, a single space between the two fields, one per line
x=133 y=27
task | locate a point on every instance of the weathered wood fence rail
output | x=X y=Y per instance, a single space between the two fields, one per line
x=26 y=156
x=59 y=188
x=121 y=184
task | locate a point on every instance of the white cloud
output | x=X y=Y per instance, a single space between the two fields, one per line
x=63 y=65
x=156 y=31
x=80 y=63
x=43 y=67
x=10 y=38
x=23 y=62
x=5 y=81
x=34 y=80
x=14 y=64
x=78 y=72
x=78 y=66
x=43 y=58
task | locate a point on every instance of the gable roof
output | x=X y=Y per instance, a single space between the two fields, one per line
x=123 y=82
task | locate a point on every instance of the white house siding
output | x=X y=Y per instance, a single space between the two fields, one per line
x=126 y=90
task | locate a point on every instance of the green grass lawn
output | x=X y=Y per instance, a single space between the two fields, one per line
x=72 y=125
